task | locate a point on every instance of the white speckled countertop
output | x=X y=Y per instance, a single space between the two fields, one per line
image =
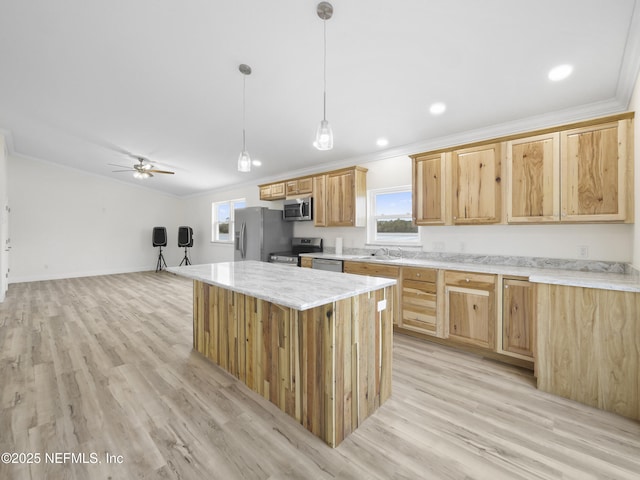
x=299 y=288
x=629 y=282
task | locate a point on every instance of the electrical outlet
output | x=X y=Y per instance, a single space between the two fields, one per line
x=463 y=247
x=583 y=251
x=438 y=246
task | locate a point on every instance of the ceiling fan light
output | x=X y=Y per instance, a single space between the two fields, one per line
x=324 y=136
x=141 y=174
x=244 y=162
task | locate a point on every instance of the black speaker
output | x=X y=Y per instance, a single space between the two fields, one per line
x=159 y=237
x=185 y=237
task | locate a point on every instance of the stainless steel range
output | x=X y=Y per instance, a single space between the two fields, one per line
x=298 y=245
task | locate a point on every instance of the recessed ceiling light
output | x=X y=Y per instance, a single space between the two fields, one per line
x=382 y=142
x=256 y=163
x=560 y=72
x=437 y=108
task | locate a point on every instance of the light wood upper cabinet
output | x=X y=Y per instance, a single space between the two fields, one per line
x=339 y=196
x=346 y=198
x=518 y=317
x=476 y=184
x=272 y=191
x=320 y=200
x=429 y=199
x=533 y=179
x=470 y=315
x=582 y=172
x=595 y=172
x=299 y=186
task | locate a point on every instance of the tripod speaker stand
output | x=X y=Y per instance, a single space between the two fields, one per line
x=185 y=239
x=160 y=240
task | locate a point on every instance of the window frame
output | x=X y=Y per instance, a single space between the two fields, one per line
x=215 y=222
x=372 y=218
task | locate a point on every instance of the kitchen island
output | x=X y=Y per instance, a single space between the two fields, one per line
x=316 y=344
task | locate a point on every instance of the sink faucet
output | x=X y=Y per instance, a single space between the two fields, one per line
x=384 y=250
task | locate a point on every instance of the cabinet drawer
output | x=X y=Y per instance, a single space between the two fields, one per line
x=421 y=274
x=467 y=279
x=374 y=270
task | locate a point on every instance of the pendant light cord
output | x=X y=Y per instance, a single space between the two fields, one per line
x=244 y=108
x=324 y=79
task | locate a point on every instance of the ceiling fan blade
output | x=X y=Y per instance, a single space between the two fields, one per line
x=129 y=170
x=116 y=165
x=161 y=171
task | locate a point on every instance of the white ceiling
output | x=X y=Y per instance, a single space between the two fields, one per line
x=81 y=83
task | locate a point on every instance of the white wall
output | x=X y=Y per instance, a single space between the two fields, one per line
x=67 y=223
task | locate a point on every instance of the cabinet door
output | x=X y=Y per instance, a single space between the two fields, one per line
x=593 y=163
x=277 y=191
x=518 y=317
x=265 y=192
x=429 y=189
x=320 y=201
x=300 y=186
x=533 y=179
x=306 y=262
x=305 y=186
x=340 y=199
x=476 y=177
x=470 y=315
x=291 y=188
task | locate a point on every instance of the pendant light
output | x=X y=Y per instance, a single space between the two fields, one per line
x=324 y=135
x=244 y=160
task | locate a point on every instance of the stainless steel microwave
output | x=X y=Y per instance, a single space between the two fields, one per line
x=298 y=209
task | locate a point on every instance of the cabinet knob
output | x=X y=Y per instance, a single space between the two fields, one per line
x=466 y=280
x=417 y=274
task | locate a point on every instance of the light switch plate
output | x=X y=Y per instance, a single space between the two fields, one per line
x=382 y=304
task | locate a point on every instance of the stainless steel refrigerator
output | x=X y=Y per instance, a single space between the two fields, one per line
x=260 y=232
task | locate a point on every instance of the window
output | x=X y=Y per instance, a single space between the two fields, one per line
x=390 y=217
x=222 y=216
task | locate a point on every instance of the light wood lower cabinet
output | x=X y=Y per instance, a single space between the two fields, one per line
x=518 y=317
x=419 y=300
x=588 y=346
x=306 y=262
x=470 y=308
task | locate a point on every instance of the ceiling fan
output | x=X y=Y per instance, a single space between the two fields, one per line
x=143 y=169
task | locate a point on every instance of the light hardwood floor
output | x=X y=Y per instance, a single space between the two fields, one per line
x=104 y=364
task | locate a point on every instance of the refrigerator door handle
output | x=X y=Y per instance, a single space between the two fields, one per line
x=243 y=240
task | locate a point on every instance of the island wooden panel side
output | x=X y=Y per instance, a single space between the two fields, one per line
x=328 y=367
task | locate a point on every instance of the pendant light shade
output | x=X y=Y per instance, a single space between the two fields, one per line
x=244 y=160
x=324 y=134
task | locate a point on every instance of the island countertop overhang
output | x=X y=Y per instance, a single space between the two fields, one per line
x=298 y=288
